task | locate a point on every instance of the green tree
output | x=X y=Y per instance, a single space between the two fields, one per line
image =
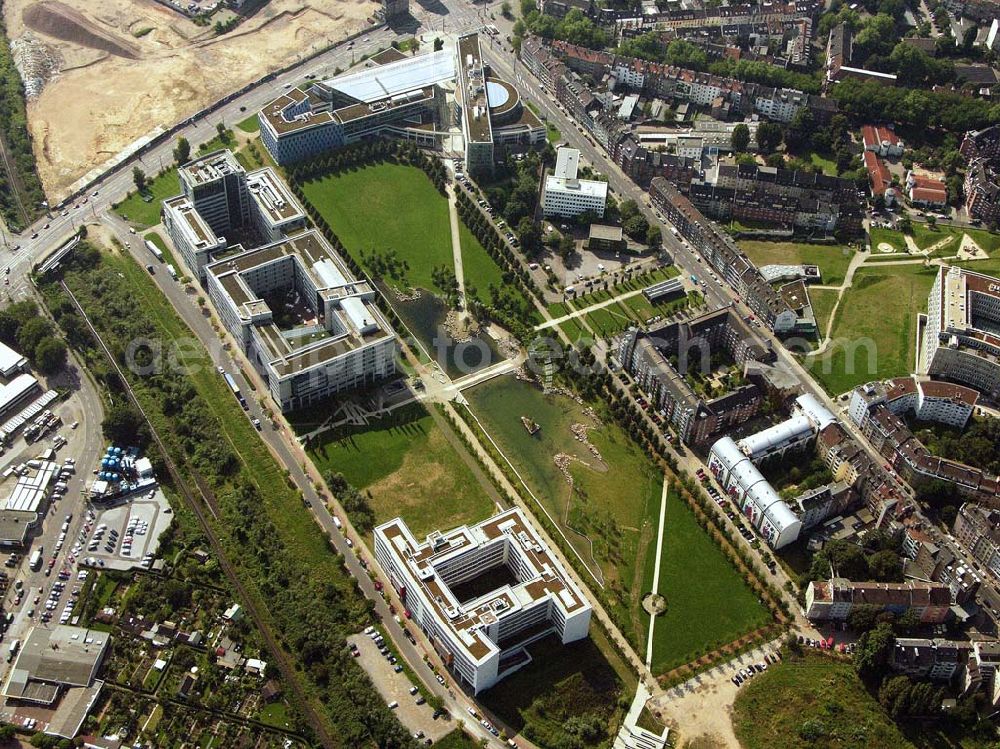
x=50 y=355
x=123 y=425
x=740 y=138
x=139 y=178
x=863 y=617
x=182 y=151
x=873 y=650
x=438 y=44
x=654 y=236
x=506 y=11
x=768 y=136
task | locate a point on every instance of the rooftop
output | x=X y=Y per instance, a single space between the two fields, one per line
x=54 y=657
x=397 y=77
x=272 y=196
x=210 y=167
x=472 y=90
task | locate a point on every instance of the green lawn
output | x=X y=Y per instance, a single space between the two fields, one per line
x=408 y=468
x=816 y=702
x=606 y=518
x=552 y=133
x=831 y=259
x=142 y=213
x=879 y=236
x=708 y=604
x=925 y=236
x=250 y=125
x=400 y=211
x=825 y=163
x=990 y=267
x=480 y=269
x=822 y=301
x=875 y=327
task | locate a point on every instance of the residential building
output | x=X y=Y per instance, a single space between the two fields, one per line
x=338 y=340
x=881 y=141
x=834 y=599
x=565 y=195
x=839 y=54
x=935 y=659
x=962 y=335
x=647 y=356
x=926 y=192
x=483 y=593
x=879 y=177
x=977 y=528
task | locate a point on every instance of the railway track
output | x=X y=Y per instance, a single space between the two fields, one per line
x=281 y=659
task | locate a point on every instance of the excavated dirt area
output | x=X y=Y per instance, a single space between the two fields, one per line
x=99 y=75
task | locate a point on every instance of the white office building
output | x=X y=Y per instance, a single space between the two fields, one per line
x=483 y=593
x=565 y=195
x=190 y=233
x=305 y=323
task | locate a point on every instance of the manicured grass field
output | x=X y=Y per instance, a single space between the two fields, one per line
x=400 y=210
x=831 y=259
x=480 y=269
x=822 y=301
x=990 y=267
x=250 y=125
x=708 y=604
x=815 y=702
x=141 y=213
x=828 y=166
x=879 y=236
x=875 y=327
x=408 y=468
x=602 y=508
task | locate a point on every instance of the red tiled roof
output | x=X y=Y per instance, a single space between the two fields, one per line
x=878 y=174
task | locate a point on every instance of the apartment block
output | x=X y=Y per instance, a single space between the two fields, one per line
x=834 y=599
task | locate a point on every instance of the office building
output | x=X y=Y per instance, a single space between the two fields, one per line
x=416 y=98
x=308 y=327
x=565 y=195
x=962 y=336
x=392 y=9
x=483 y=593
x=220 y=196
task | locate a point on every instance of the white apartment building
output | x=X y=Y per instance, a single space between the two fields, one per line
x=483 y=593
x=305 y=323
x=567 y=196
x=962 y=336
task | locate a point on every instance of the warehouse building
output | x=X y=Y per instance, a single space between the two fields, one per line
x=483 y=593
x=305 y=323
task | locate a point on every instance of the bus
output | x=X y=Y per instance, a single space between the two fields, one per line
x=157 y=253
x=35 y=563
x=236 y=390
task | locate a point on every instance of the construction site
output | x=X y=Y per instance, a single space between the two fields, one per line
x=99 y=76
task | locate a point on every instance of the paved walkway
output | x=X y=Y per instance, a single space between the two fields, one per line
x=456 y=245
x=656 y=571
x=554 y=321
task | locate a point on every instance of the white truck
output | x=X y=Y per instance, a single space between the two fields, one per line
x=172 y=271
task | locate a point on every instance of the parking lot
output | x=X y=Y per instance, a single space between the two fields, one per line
x=395 y=687
x=126 y=535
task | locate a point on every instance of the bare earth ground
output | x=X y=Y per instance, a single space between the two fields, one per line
x=106 y=86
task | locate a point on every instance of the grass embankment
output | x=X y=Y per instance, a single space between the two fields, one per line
x=831 y=259
x=814 y=701
x=708 y=603
x=875 y=328
x=279 y=553
x=407 y=468
x=142 y=212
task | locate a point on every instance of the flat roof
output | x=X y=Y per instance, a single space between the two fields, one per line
x=603 y=231
x=273 y=198
x=541 y=576
x=355 y=318
x=199 y=232
x=275 y=113
x=59 y=655
x=588 y=187
x=472 y=90
x=396 y=77
x=567 y=163
x=15 y=390
x=210 y=167
x=10 y=359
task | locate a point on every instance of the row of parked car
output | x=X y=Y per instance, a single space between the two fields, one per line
x=745 y=674
x=826 y=644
